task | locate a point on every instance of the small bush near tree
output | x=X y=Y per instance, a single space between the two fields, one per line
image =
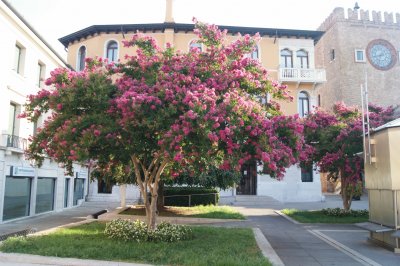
x=166 y=232
x=126 y=230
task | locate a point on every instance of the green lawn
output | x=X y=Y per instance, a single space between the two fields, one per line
x=319 y=217
x=209 y=211
x=210 y=246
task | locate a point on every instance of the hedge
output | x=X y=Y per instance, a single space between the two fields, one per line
x=182 y=196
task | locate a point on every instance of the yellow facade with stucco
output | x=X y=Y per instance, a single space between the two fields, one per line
x=268 y=50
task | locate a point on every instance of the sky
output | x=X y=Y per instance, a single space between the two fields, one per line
x=54 y=19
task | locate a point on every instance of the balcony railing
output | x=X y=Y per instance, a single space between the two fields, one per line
x=302 y=75
x=13 y=141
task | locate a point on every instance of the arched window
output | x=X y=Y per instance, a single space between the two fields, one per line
x=112 y=51
x=195 y=44
x=286 y=58
x=304 y=104
x=81 y=58
x=253 y=54
x=302 y=56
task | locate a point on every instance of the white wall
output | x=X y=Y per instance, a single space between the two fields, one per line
x=15 y=87
x=291 y=188
x=132 y=193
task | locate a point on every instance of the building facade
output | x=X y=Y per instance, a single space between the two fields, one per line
x=359 y=48
x=26 y=190
x=288 y=55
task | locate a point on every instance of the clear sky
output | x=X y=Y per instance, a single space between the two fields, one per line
x=56 y=18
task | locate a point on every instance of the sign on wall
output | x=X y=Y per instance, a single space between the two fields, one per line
x=82 y=174
x=22 y=171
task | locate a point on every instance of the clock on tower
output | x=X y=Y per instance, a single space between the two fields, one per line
x=381 y=54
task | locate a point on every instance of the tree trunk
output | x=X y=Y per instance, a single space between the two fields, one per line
x=153 y=212
x=347 y=196
x=160 y=199
x=147 y=204
x=148 y=181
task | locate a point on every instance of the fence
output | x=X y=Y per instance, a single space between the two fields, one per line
x=192 y=199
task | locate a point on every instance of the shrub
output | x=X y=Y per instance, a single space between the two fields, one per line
x=195 y=199
x=342 y=213
x=126 y=230
x=215 y=177
x=167 y=232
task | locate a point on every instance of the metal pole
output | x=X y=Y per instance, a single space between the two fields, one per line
x=363 y=122
x=368 y=125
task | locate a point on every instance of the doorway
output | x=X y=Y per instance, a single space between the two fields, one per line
x=248 y=182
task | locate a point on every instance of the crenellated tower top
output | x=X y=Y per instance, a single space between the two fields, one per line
x=360 y=16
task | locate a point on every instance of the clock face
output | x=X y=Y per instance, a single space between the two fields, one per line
x=381 y=54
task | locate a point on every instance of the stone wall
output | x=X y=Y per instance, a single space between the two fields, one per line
x=346 y=32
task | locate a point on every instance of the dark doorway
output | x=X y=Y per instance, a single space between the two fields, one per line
x=248 y=182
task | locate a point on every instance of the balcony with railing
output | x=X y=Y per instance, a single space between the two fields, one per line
x=14 y=142
x=308 y=75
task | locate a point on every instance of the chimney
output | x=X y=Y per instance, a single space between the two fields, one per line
x=168 y=12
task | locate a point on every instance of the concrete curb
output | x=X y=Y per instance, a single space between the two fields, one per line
x=27 y=259
x=287 y=217
x=266 y=248
x=51 y=230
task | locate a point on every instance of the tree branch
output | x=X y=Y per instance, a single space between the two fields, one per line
x=142 y=186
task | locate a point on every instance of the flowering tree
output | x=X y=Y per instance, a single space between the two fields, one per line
x=334 y=141
x=164 y=112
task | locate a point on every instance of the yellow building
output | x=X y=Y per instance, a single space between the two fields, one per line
x=287 y=54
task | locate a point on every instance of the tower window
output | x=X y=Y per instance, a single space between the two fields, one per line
x=359 y=55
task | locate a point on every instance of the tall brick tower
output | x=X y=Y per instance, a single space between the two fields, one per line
x=359 y=47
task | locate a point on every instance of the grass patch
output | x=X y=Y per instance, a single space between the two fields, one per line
x=208 y=211
x=210 y=246
x=320 y=217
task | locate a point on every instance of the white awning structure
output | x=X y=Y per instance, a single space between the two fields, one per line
x=394 y=123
